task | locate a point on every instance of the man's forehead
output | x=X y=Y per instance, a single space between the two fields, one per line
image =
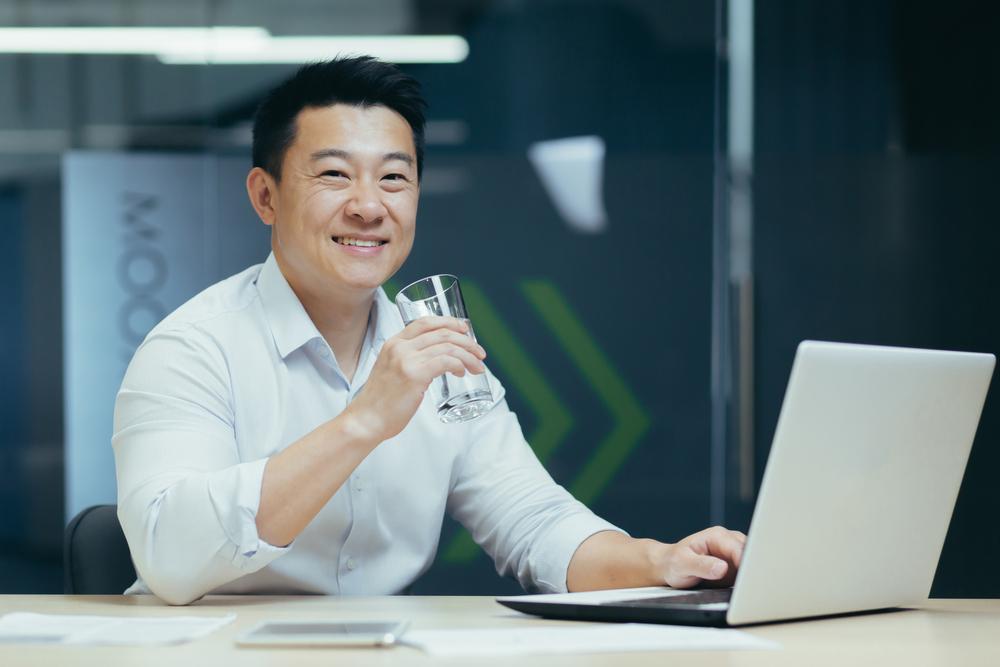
x=354 y=124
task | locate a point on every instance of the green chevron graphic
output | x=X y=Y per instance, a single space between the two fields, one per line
x=631 y=420
x=553 y=421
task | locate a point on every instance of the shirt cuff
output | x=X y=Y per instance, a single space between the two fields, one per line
x=236 y=499
x=561 y=544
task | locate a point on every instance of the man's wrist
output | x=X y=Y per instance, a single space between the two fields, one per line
x=356 y=431
x=658 y=556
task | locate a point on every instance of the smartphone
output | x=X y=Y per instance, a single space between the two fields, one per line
x=324 y=633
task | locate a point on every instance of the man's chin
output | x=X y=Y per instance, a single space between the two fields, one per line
x=362 y=275
x=368 y=283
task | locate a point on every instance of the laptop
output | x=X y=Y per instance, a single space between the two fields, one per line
x=861 y=480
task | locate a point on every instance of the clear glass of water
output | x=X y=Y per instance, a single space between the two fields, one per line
x=458 y=399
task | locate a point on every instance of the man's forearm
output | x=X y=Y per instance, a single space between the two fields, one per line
x=611 y=560
x=301 y=479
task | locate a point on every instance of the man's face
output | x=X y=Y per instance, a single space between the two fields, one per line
x=346 y=205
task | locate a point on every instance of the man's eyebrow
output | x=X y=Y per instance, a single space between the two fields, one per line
x=330 y=152
x=398 y=155
x=344 y=155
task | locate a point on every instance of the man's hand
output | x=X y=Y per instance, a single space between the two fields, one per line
x=710 y=557
x=427 y=348
x=611 y=560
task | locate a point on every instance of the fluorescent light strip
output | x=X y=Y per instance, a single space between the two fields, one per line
x=229 y=45
x=126 y=40
x=294 y=50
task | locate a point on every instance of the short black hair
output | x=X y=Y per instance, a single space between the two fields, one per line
x=361 y=81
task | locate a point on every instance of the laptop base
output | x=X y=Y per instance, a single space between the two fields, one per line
x=620 y=614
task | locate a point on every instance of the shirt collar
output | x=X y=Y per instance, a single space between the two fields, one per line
x=291 y=325
x=387 y=320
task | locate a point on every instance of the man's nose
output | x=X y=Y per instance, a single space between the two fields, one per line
x=366 y=203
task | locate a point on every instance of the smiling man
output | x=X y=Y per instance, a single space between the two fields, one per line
x=272 y=435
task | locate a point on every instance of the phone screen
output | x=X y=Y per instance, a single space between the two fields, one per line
x=326 y=628
x=325 y=632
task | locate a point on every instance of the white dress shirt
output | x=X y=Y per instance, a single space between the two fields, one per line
x=238 y=373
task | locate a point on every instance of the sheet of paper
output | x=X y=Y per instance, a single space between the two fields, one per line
x=120 y=630
x=597 y=597
x=582 y=638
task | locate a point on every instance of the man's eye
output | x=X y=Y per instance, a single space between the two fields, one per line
x=395 y=177
x=333 y=172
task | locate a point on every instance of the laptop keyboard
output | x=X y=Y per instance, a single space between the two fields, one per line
x=705 y=596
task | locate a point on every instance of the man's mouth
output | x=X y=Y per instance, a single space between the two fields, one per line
x=363 y=243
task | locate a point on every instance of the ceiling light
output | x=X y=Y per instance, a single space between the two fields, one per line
x=129 y=40
x=229 y=45
x=296 y=50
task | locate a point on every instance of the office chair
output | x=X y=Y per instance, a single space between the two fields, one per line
x=96 y=559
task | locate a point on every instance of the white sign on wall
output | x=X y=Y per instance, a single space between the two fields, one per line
x=142 y=234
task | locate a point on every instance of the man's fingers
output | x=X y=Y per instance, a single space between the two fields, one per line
x=469 y=361
x=742 y=539
x=438 y=336
x=442 y=364
x=706 y=567
x=422 y=325
x=725 y=543
x=711 y=555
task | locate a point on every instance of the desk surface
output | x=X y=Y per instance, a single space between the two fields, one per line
x=942 y=632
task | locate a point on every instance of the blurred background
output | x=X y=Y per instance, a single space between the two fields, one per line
x=650 y=202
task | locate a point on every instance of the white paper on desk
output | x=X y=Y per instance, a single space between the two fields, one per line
x=585 y=638
x=598 y=597
x=121 y=630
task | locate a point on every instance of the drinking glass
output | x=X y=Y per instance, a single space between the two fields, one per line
x=458 y=399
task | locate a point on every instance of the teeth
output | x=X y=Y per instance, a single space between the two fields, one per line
x=343 y=240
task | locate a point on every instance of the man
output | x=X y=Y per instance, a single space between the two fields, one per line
x=272 y=435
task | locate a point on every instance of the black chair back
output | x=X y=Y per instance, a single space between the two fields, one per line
x=96 y=558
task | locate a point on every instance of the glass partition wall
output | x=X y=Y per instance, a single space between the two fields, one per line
x=860 y=207
x=569 y=182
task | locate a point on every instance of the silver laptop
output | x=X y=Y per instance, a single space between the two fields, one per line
x=859 y=488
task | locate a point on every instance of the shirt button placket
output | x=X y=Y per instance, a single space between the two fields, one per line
x=354 y=487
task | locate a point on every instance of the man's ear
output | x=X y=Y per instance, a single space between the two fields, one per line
x=263 y=192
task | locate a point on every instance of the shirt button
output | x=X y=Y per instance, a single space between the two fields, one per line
x=351 y=564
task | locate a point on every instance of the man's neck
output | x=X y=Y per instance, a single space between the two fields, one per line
x=344 y=326
x=342 y=319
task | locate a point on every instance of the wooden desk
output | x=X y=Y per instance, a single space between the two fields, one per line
x=943 y=632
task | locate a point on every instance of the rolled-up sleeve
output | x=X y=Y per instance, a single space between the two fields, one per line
x=527 y=523
x=186 y=501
